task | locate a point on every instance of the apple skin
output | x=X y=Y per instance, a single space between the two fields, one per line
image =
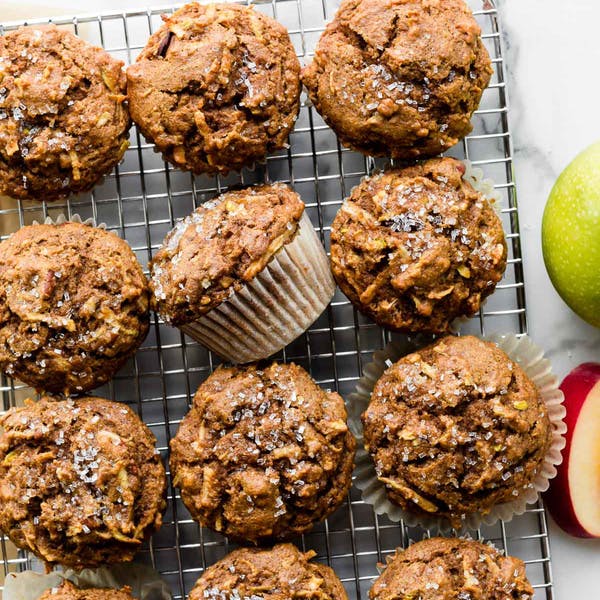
x=571 y=235
x=576 y=387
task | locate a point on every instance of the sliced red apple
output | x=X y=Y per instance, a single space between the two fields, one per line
x=574 y=495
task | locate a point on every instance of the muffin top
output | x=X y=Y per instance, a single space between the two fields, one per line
x=444 y=568
x=63 y=121
x=81 y=483
x=216 y=87
x=456 y=428
x=67 y=591
x=74 y=306
x=414 y=248
x=264 y=453
x=399 y=78
x=280 y=573
x=222 y=245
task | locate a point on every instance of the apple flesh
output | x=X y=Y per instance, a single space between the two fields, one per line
x=574 y=495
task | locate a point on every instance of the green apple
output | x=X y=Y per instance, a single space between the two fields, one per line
x=571 y=235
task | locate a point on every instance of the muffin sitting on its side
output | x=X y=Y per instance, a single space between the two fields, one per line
x=264 y=453
x=74 y=306
x=399 y=78
x=444 y=568
x=414 y=248
x=216 y=88
x=81 y=483
x=456 y=428
x=244 y=274
x=279 y=573
x=63 y=121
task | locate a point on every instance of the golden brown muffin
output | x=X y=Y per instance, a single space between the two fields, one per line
x=63 y=120
x=81 y=483
x=67 y=591
x=279 y=573
x=216 y=88
x=264 y=453
x=416 y=247
x=74 y=306
x=222 y=245
x=456 y=428
x=399 y=78
x=452 y=568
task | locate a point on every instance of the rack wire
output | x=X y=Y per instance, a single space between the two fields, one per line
x=144 y=198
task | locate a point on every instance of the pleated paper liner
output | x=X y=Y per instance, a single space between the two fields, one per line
x=273 y=309
x=531 y=359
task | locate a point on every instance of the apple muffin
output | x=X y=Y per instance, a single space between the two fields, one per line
x=81 y=483
x=64 y=123
x=443 y=568
x=416 y=247
x=271 y=574
x=399 y=78
x=456 y=428
x=264 y=453
x=68 y=591
x=245 y=274
x=74 y=306
x=216 y=88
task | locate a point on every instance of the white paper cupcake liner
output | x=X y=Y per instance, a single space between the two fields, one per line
x=145 y=583
x=273 y=309
x=76 y=218
x=531 y=359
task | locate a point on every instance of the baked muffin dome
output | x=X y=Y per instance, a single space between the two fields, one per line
x=216 y=88
x=81 y=483
x=443 y=568
x=74 y=306
x=399 y=78
x=222 y=245
x=416 y=247
x=67 y=591
x=456 y=428
x=63 y=120
x=264 y=453
x=277 y=573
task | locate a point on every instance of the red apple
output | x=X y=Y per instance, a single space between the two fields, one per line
x=574 y=495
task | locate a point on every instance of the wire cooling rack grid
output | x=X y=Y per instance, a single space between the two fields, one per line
x=143 y=199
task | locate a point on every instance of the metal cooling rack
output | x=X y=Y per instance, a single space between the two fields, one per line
x=143 y=199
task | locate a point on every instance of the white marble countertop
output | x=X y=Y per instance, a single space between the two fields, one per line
x=552 y=56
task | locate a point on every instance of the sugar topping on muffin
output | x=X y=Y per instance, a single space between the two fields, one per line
x=264 y=453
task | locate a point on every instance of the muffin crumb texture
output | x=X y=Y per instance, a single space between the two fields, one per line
x=399 y=78
x=456 y=428
x=74 y=306
x=222 y=245
x=264 y=453
x=282 y=572
x=414 y=248
x=63 y=120
x=68 y=591
x=81 y=483
x=216 y=88
x=445 y=568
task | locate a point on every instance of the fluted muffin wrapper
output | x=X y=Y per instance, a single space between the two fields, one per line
x=531 y=359
x=273 y=309
x=144 y=582
x=75 y=218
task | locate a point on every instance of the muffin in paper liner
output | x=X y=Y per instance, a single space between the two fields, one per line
x=62 y=218
x=275 y=307
x=519 y=349
x=145 y=583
